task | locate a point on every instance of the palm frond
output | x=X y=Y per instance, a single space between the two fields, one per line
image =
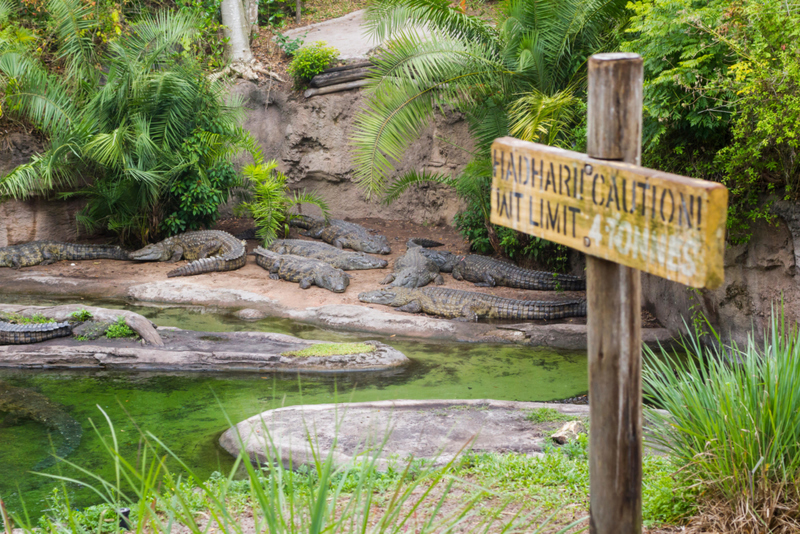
x=36 y=95
x=413 y=179
x=7 y=8
x=410 y=82
x=541 y=118
x=385 y=19
x=75 y=25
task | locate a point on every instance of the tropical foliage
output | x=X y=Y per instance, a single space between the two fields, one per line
x=272 y=202
x=309 y=60
x=721 y=97
x=153 y=131
x=733 y=426
x=524 y=76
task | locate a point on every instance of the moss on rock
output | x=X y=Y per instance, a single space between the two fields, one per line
x=331 y=349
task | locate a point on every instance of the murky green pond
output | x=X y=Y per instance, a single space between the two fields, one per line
x=188 y=411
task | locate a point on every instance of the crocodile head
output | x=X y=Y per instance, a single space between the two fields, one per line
x=362 y=261
x=392 y=296
x=335 y=282
x=376 y=244
x=154 y=252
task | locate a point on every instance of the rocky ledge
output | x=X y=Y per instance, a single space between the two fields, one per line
x=185 y=350
x=434 y=430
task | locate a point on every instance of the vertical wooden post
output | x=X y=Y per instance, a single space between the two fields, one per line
x=298 y=7
x=614 y=129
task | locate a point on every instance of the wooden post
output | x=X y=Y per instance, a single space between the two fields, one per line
x=614 y=126
x=298 y=7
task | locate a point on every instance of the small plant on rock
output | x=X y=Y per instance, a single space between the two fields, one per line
x=120 y=329
x=272 y=202
x=312 y=59
x=81 y=315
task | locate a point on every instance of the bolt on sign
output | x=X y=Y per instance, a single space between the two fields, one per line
x=660 y=223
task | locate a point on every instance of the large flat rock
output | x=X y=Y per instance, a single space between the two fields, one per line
x=434 y=430
x=187 y=350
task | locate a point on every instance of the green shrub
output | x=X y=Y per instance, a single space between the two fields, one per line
x=289 y=46
x=312 y=59
x=120 y=329
x=733 y=424
x=272 y=202
x=81 y=315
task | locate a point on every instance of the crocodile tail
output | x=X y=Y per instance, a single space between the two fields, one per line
x=208 y=265
x=302 y=221
x=422 y=242
x=571 y=283
x=94 y=252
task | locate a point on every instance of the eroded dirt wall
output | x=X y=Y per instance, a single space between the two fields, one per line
x=309 y=138
x=29 y=220
x=758 y=275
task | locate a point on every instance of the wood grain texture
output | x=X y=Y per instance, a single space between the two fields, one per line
x=661 y=223
x=614 y=316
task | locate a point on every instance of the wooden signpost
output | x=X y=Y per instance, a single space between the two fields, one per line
x=626 y=219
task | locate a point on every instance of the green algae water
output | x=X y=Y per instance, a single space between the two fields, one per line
x=189 y=411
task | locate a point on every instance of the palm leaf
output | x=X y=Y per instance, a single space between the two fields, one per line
x=413 y=179
x=75 y=25
x=541 y=118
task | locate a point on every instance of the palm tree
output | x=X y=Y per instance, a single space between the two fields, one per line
x=150 y=128
x=519 y=77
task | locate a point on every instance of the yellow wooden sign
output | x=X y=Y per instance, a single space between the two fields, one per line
x=667 y=225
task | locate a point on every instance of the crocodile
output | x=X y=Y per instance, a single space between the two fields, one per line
x=306 y=271
x=207 y=250
x=471 y=306
x=342 y=234
x=488 y=272
x=17 y=334
x=341 y=259
x=443 y=259
x=22 y=402
x=413 y=269
x=47 y=252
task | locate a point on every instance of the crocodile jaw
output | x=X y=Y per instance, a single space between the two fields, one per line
x=366 y=262
x=379 y=296
x=150 y=253
x=376 y=245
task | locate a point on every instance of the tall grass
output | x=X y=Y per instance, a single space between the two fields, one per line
x=733 y=423
x=165 y=496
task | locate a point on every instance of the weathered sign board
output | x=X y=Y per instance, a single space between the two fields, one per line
x=660 y=223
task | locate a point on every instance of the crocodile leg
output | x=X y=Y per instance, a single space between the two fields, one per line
x=16 y=261
x=488 y=281
x=305 y=283
x=337 y=243
x=438 y=280
x=389 y=279
x=177 y=254
x=411 y=307
x=48 y=257
x=212 y=247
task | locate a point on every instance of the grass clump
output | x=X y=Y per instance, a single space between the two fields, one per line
x=331 y=349
x=549 y=415
x=120 y=329
x=36 y=318
x=733 y=426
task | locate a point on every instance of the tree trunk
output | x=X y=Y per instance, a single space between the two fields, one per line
x=237 y=31
x=251 y=15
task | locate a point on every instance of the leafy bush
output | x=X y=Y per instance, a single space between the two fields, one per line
x=120 y=329
x=272 y=203
x=312 y=59
x=81 y=315
x=722 y=86
x=733 y=425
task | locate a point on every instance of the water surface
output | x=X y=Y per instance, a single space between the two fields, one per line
x=188 y=410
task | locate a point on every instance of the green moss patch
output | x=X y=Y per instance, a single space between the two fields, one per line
x=331 y=349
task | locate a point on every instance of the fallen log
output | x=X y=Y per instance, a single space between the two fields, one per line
x=357 y=65
x=343 y=76
x=335 y=88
